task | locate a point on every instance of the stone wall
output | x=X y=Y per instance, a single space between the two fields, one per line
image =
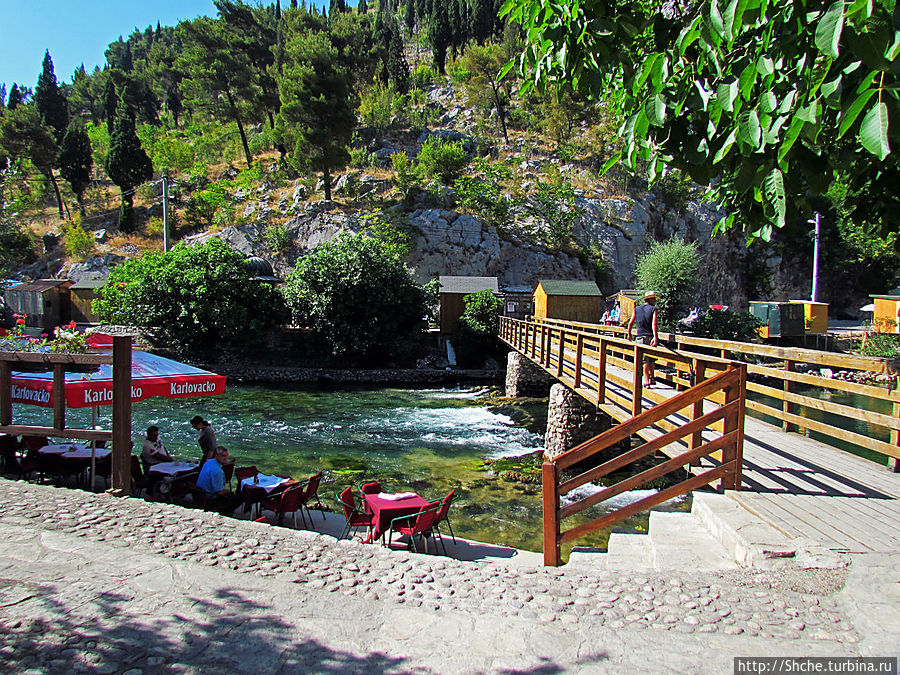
x=571 y=420
x=525 y=378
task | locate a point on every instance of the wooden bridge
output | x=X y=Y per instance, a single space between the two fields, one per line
x=704 y=415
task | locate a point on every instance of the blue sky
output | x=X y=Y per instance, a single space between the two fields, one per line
x=78 y=31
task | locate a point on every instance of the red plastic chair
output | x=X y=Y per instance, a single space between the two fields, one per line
x=442 y=514
x=312 y=493
x=242 y=472
x=289 y=501
x=373 y=487
x=139 y=481
x=421 y=524
x=355 y=517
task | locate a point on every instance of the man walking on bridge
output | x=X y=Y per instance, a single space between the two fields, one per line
x=647 y=333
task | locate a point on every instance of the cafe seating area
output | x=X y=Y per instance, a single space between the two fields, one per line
x=394 y=519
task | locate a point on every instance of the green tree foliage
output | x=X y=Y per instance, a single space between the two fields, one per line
x=24 y=134
x=86 y=95
x=316 y=119
x=398 y=68
x=672 y=270
x=15 y=97
x=76 y=159
x=218 y=76
x=768 y=99
x=127 y=165
x=554 y=207
x=719 y=324
x=444 y=159
x=362 y=7
x=484 y=86
x=16 y=247
x=475 y=337
x=79 y=244
x=195 y=299
x=483 y=19
x=50 y=101
x=439 y=36
x=358 y=298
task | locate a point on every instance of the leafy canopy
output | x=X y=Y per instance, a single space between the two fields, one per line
x=357 y=298
x=672 y=270
x=765 y=100
x=194 y=299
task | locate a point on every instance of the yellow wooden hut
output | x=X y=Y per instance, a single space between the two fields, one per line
x=627 y=299
x=569 y=300
x=887 y=313
x=815 y=315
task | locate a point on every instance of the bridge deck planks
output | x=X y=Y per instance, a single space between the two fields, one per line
x=798 y=485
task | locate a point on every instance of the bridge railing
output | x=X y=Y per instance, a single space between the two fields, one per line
x=780 y=380
x=714 y=433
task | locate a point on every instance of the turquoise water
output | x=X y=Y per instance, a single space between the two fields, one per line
x=426 y=440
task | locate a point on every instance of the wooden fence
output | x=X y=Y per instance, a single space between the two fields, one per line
x=781 y=373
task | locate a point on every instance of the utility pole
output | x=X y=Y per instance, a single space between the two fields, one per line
x=815 y=273
x=166 y=217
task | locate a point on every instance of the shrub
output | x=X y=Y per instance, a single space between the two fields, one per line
x=475 y=337
x=883 y=345
x=424 y=76
x=554 y=205
x=719 y=324
x=357 y=298
x=195 y=299
x=444 y=159
x=79 y=244
x=398 y=240
x=376 y=107
x=278 y=238
x=672 y=270
x=360 y=158
x=405 y=175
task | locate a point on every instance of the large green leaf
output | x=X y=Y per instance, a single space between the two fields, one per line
x=749 y=129
x=714 y=18
x=726 y=146
x=873 y=131
x=849 y=115
x=829 y=28
x=747 y=80
x=726 y=94
x=655 y=109
x=790 y=137
x=773 y=191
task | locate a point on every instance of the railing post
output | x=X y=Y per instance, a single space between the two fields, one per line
x=601 y=373
x=637 y=380
x=552 y=556
x=562 y=353
x=732 y=455
x=579 y=347
x=893 y=464
x=697 y=411
x=59 y=397
x=785 y=406
x=546 y=334
x=121 y=416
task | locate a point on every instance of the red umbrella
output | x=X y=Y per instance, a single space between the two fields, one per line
x=151 y=375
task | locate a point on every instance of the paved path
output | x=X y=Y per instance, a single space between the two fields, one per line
x=93 y=583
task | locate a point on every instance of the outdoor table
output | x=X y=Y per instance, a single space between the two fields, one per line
x=172 y=468
x=386 y=506
x=60 y=448
x=74 y=451
x=260 y=487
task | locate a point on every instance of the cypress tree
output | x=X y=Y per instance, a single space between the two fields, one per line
x=110 y=102
x=50 y=101
x=362 y=7
x=410 y=16
x=398 y=68
x=76 y=161
x=439 y=36
x=15 y=97
x=483 y=18
x=3 y=95
x=127 y=164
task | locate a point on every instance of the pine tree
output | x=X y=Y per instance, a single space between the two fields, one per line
x=362 y=7
x=76 y=161
x=316 y=119
x=127 y=165
x=15 y=97
x=3 y=95
x=336 y=7
x=23 y=133
x=439 y=36
x=50 y=100
x=398 y=68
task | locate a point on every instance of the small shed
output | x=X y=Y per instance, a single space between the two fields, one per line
x=627 y=299
x=815 y=316
x=568 y=300
x=453 y=290
x=83 y=293
x=780 y=319
x=886 y=318
x=46 y=302
x=518 y=301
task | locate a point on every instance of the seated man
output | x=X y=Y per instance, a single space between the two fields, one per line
x=154 y=452
x=212 y=481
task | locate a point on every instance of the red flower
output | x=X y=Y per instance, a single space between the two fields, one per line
x=20 y=322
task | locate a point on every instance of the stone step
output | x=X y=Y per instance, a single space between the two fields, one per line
x=679 y=541
x=627 y=552
x=751 y=541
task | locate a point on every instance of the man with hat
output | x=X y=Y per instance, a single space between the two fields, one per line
x=645 y=318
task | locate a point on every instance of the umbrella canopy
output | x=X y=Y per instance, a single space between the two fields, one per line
x=868 y=308
x=151 y=375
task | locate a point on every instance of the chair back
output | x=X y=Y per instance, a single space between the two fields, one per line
x=228 y=470
x=35 y=443
x=8 y=443
x=312 y=486
x=137 y=471
x=348 y=503
x=374 y=487
x=290 y=499
x=243 y=472
x=445 y=506
x=425 y=519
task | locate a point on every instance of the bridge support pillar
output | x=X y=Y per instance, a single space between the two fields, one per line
x=571 y=420
x=525 y=378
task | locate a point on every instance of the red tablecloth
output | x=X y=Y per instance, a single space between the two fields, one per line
x=385 y=510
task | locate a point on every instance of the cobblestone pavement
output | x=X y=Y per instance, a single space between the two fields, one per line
x=89 y=582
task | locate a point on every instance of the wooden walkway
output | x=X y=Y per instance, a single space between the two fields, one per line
x=800 y=486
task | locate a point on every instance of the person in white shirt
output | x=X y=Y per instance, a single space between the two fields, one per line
x=154 y=451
